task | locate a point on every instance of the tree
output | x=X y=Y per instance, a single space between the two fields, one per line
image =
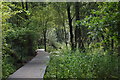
x=118 y=24
x=78 y=35
x=70 y=25
x=43 y=21
x=103 y=28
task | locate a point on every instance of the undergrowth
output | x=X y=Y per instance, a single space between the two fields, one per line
x=90 y=64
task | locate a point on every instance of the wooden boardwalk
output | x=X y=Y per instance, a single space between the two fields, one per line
x=33 y=70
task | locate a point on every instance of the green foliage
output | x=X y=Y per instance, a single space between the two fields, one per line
x=102 y=24
x=46 y=24
x=19 y=41
x=69 y=64
x=16 y=47
x=8 y=66
x=7 y=61
x=20 y=38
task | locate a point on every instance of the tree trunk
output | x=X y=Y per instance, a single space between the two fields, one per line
x=45 y=38
x=26 y=5
x=22 y=5
x=112 y=44
x=118 y=29
x=119 y=42
x=78 y=35
x=70 y=25
x=77 y=29
x=26 y=16
x=65 y=37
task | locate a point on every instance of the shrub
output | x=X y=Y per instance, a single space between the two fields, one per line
x=8 y=61
x=70 y=64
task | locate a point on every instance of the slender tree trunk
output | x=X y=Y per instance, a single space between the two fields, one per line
x=22 y=5
x=70 y=25
x=26 y=7
x=26 y=3
x=119 y=42
x=78 y=34
x=104 y=43
x=77 y=30
x=45 y=38
x=118 y=25
x=112 y=44
x=65 y=37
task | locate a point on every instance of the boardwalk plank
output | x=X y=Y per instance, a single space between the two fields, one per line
x=33 y=70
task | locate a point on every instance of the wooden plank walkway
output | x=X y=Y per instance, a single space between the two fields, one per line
x=34 y=69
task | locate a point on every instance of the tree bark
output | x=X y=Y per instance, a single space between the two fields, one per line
x=112 y=44
x=77 y=30
x=45 y=38
x=65 y=37
x=70 y=25
x=23 y=5
x=78 y=35
x=26 y=5
x=118 y=29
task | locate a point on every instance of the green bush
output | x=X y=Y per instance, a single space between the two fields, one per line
x=82 y=65
x=7 y=67
x=17 y=45
x=8 y=61
x=22 y=40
